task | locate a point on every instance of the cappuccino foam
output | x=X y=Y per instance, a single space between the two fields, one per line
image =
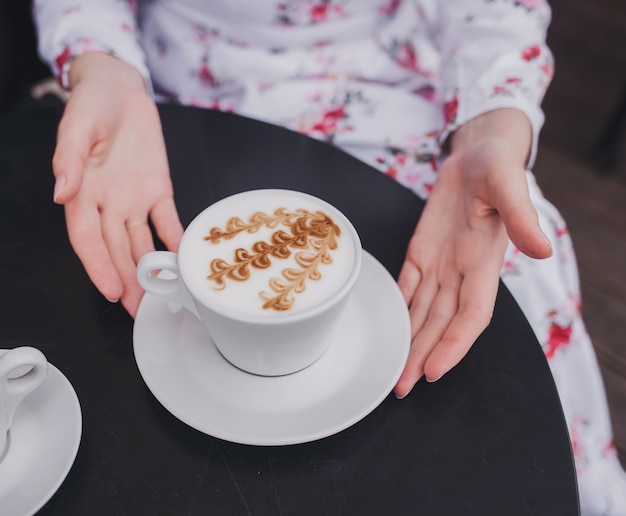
x=267 y=252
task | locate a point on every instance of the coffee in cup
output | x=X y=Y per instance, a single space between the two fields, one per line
x=268 y=272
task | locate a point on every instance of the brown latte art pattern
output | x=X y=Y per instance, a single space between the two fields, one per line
x=311 y=235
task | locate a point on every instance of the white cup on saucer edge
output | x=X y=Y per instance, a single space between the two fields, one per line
x=22 y=370
x=268 y=272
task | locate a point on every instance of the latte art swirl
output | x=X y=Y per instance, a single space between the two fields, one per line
x=310 y=235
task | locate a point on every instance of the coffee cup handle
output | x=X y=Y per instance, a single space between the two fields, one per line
x=171 y=289
x=16 y=388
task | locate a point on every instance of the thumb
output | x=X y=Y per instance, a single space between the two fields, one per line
x=74 y=143
x=520 y=217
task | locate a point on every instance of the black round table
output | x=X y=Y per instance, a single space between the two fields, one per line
x=488 y=438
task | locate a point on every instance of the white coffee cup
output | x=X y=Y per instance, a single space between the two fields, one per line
x=21 y=371
x=268 y=272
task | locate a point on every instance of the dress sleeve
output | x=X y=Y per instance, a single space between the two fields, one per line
x=69 y=28
x=494 y=55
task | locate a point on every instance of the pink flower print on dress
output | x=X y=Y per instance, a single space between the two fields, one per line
x=319 y=12
x=308 y=12
x=450 y=109
x=558 y=337
x=510 y=265
x=62 y=59
x=530 y=53
x=407 y=166
x=507 y=87
x=205 y=74
x=427 y=92
x=562 y=231
x=404 y=54
x=329 y=114
x=328 y=124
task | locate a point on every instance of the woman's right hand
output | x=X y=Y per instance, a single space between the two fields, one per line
x=112 y=174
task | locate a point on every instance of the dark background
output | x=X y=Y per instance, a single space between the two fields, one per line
x=581 y=164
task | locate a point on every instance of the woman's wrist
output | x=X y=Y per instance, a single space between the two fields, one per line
x=103 y=67
x=507 y=124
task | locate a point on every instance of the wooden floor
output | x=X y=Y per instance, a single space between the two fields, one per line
x=588 y=40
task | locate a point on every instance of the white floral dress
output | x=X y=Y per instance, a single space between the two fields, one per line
x=387 y=81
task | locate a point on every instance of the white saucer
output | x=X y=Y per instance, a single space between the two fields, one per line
x=44 y=441
x=187 y=374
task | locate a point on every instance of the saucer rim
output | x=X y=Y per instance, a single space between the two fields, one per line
x=401 y=328
x=72 y=434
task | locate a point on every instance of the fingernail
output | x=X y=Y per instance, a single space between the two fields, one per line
x=58 y=187
x=434 y=379
x=401 y=397
x=545 y=237
x=112 y=300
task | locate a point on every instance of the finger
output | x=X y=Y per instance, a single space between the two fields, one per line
x=476 y=301
x=84 y=229
x=522 y=225
x=74 y=142
x=520 y=217
x=443 y=309
x=119 y=246
x=421 y=304
x=140 y=238
x=408 y=280
x=167 y=224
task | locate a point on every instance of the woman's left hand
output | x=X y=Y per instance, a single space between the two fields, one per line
x=452 y=267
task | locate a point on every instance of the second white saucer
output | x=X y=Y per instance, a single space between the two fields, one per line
x=44 y=441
